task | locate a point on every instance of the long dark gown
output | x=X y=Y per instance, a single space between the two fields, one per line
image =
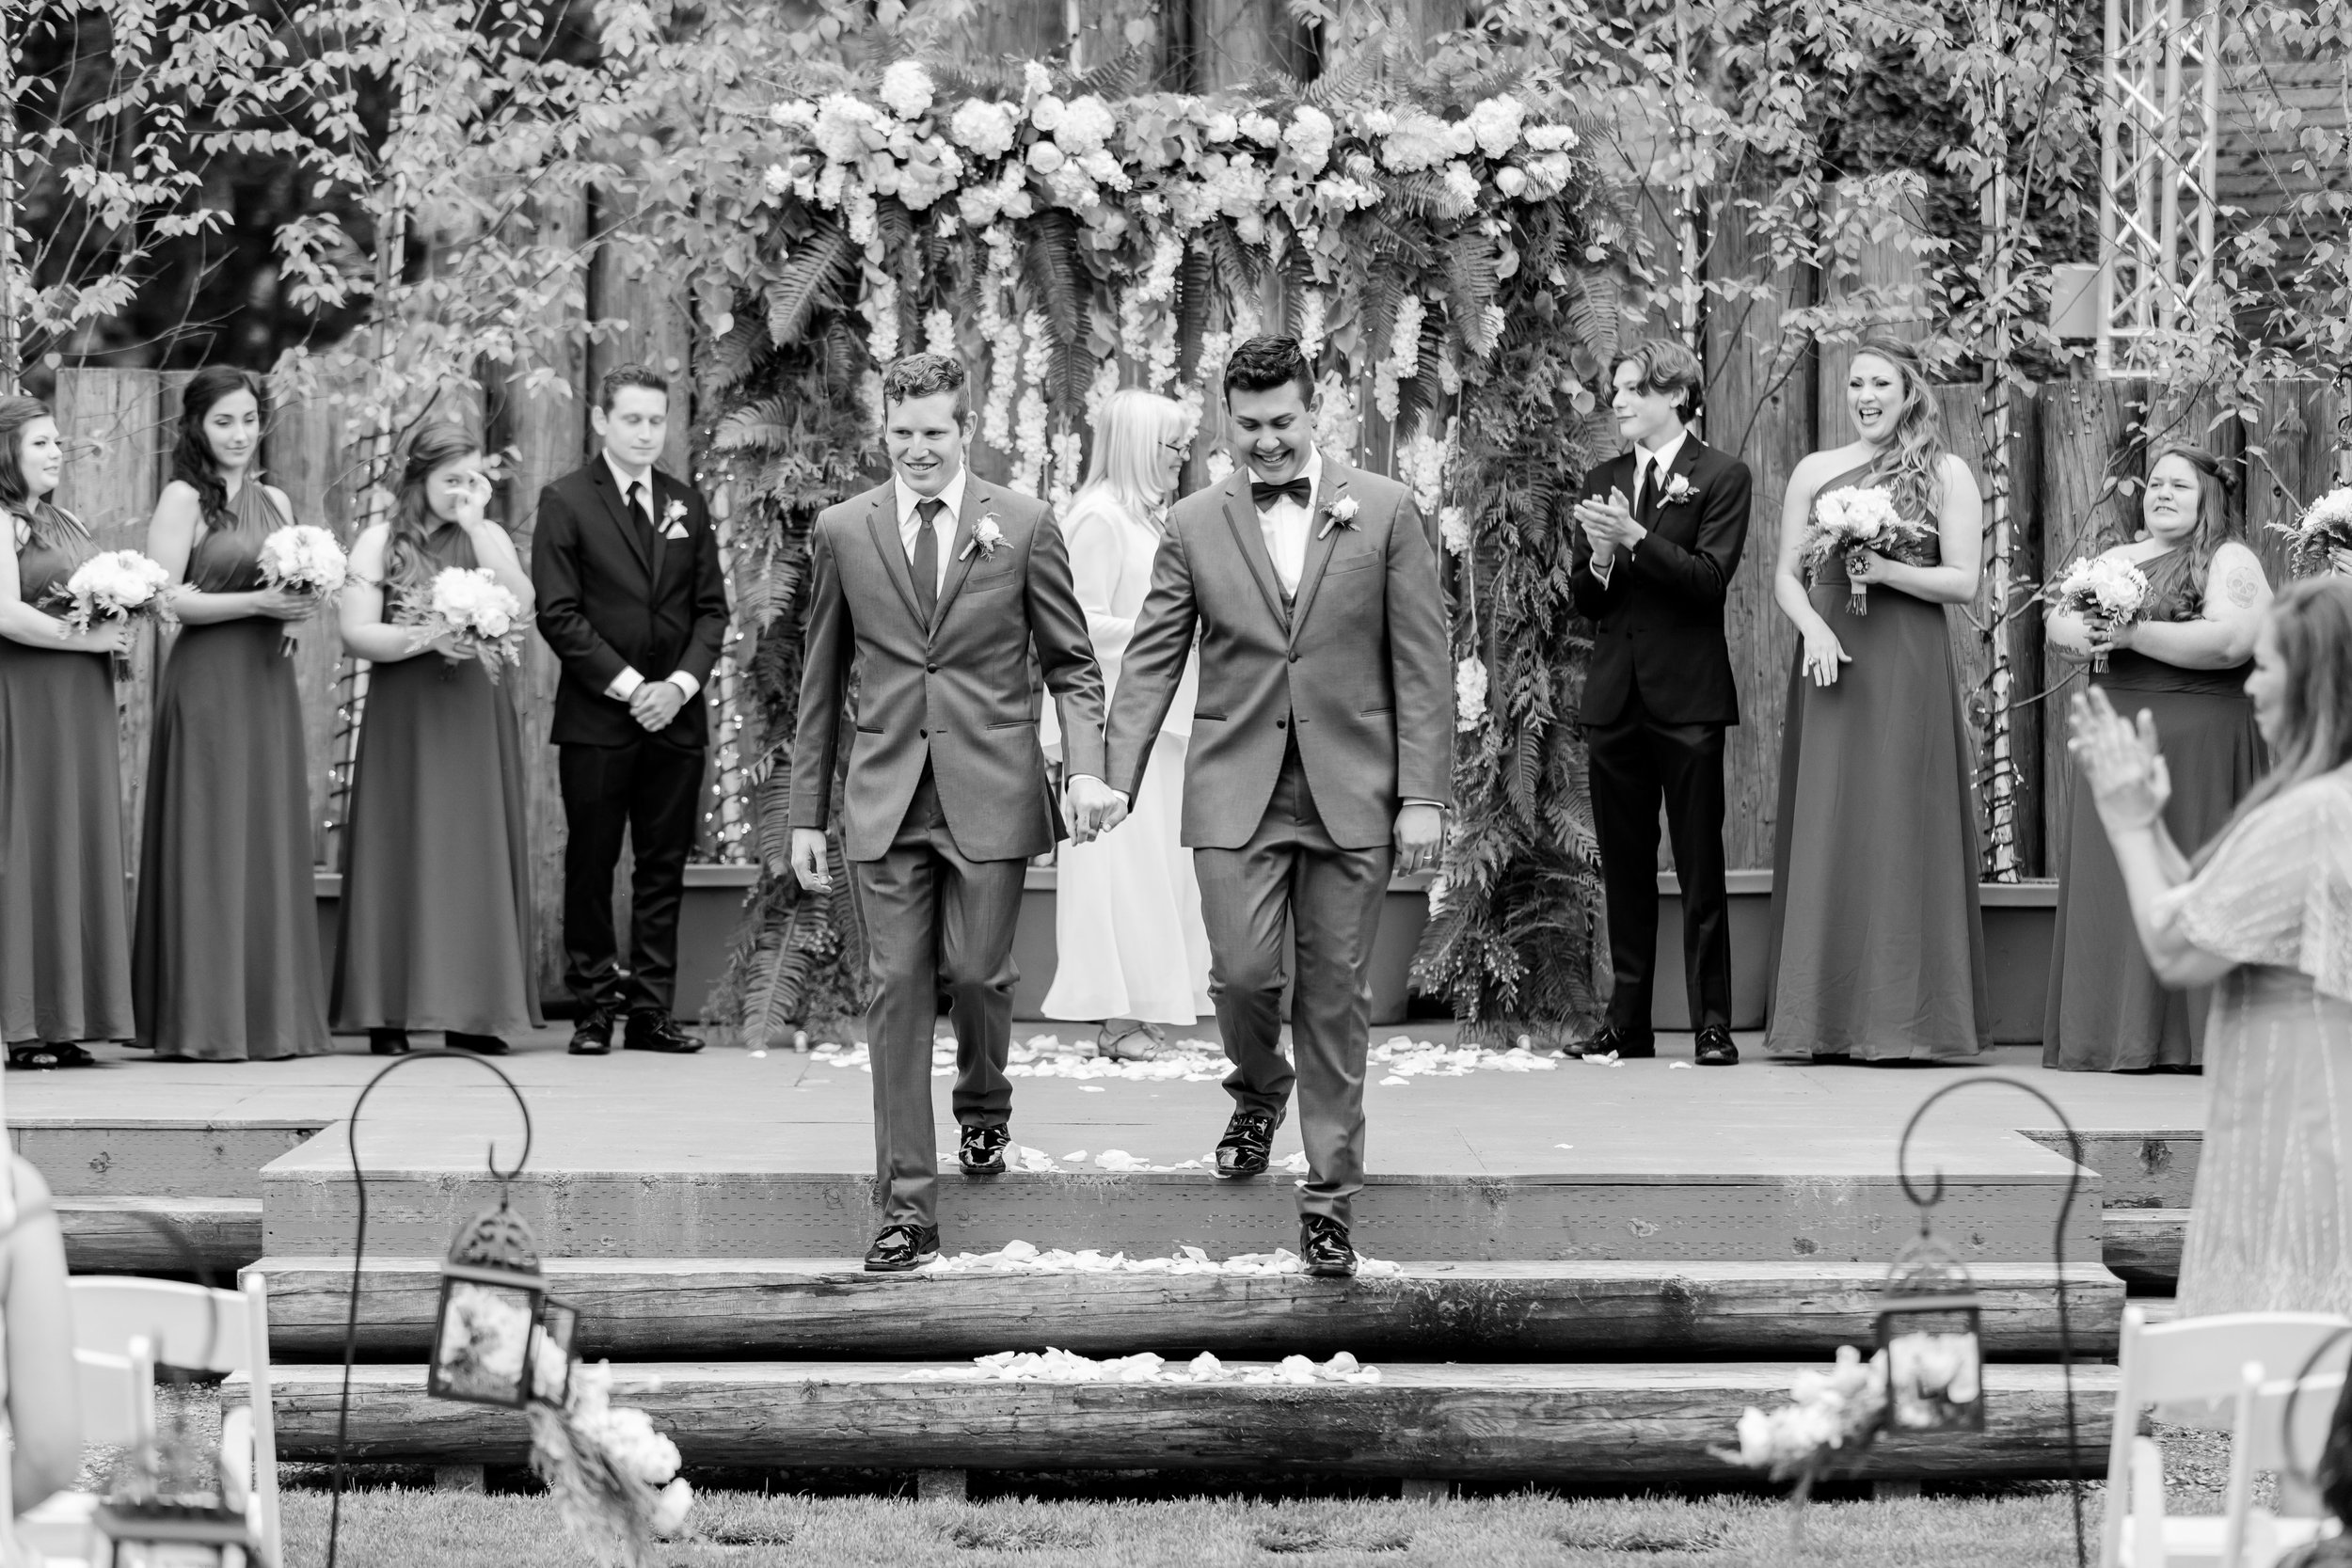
x=2108 y=1012
x=226 y=964
x=437 y=929
x=1878 y=944
x=65 y=922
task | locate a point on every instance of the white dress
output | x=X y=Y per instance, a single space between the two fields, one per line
x=1127 y=909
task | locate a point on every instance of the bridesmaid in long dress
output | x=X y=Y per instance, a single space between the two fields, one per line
x=2259 y=915
x=65 y=926
x=1877 y=946
x=437 y=931
x=1132 y=952
x=2186 y=666
x=225 y=958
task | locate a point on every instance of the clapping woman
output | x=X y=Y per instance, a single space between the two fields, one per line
x=226 y=962
x=1877 y=946
x=2185 y=664
x=65 y=927
x=2264 y=915
x=437 y=931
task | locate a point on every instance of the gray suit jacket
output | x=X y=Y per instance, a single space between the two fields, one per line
x=956 y=691
x=1361 y=664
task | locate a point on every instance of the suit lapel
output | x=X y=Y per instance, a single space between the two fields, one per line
x=1323 y=537
x=1685 y=460
x=609 y=490
x=1242 y=518
x=881 y=521
x=961 y=553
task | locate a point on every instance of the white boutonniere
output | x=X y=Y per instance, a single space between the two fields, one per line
x=1339 y=514
x=674 y=521
x=988 y=535
x=1679 y=489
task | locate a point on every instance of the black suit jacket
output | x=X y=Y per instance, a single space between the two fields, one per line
x=605 y=604
x=1660 y=621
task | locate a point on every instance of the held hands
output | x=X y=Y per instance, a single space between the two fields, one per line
x=2128 y=780
x=1823 y=652
x=1093 y=808
x=105 y=636
x=1420 y=836
x=286 y=604
x=1866 y=566
x=655 y=704
x=1610 y=526
x=809 y=858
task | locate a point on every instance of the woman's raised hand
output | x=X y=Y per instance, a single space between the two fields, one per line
x=2121 y=763
x=1823 y=652
x=473 y=502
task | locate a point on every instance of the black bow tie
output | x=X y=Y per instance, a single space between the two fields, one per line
x=1265 y=494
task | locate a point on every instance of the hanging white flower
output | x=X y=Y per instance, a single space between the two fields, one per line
x=1160 y=362
x=1069 y=459
x=1220 y=465
x=869 y=393
x=880 y=309
x=1099 y=390
x=1309 y=137
x=1384 y=392
x=1087 y=125
x=1421 y=463
x=1495 y=123
x=1030 y=445
x=1314 y=312
x=1470 y=694
x=939 y=333
x=1449 y=373
x=1404 y=361
x=983 y=129
x=1337 y=421
x=1453 y=528
x=906 y=87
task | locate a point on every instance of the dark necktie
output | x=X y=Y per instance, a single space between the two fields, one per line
x=637 y=517
x=926 y=559
x=1266 y=495
x=1640 y=489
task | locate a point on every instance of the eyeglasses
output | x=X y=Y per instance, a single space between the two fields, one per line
x=1182 y=449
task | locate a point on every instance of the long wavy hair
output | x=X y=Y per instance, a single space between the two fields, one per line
x=2213 y=528
x=2312 y=621
x=1910 y=465
x=408 y=571
x=191 y=460
x=16 y=496
x=1128 y=438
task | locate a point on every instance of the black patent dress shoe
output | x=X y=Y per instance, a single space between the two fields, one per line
x=387 y=1042
x=481 y=1045
x=1625 y=1044
x=1322 y=1244
x=1715 y=1047
x=658 y=1032
x=593 y=1035
x=1248 y=1141
x=983 y=1151
x=901 y=1247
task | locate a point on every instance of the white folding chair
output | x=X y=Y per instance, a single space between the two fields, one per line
x=117 y=1398
x=2193 y=1361
x=2255 y=1537
x=122 y=1327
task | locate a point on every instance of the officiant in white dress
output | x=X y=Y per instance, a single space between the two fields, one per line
x=1134 y=954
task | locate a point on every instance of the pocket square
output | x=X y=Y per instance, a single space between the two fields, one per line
x=675 y=530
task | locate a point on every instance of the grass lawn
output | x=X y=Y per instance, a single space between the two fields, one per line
x=402 y=1528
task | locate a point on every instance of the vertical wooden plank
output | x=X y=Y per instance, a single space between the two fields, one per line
x=547 y=432
x=1104 y=30
x=1019 y=29
x=1242 y=40
x=1879 y=274
x=1760 y=404
x=2085 y=434
x=2290 y=463
x=623 y=286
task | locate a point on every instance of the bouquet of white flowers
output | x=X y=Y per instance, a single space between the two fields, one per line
x=2323 y=535
x=2106 y=592
x=1846 y=521
x=1836 y=1415
x=467 y=605
x=307 y=559
x=114 y=585
x=611 y=1473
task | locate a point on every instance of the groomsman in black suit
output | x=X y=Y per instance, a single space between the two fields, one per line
x=633 y=601
x=1652 y=573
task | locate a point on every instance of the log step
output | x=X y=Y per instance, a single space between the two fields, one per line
x=2143 y=1245
x=789 y=1307
x=1597 y=1424
x=137 y=1235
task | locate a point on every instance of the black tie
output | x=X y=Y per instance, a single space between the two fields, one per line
x=638 y=519
x=1640 y=489
x=1266 y=495
x=925 y=562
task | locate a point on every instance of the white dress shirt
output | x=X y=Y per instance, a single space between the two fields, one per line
x=1286 y=525
x=625 y=685
x=1657 y=465
x=944 y=524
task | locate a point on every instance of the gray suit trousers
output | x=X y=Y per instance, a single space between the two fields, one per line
x=1331 y=896
x=934 y=921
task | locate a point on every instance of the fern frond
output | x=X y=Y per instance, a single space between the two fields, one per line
x=1050 y=263
x=806 y=275
x=1123 y=77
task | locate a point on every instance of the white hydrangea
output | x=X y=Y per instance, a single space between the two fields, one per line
x=1309 y=137
x=1379 y=122
x=798 y=115
x=848 y=128
x=670 y=1508
x=983 y=129
x=1046 y=114
x=1339 y=194
x=1495 y=123
x=1461 y=186
x=1087 y=125
x=906 y=88
x=930 y=174
x=777 y=181
x=1262 y=129
x=859 y=213
x=1036 y=81
x=1470 y=694
x=1453 y=528
x=1419 y=142
x=1102 y=166
x=1551 y=138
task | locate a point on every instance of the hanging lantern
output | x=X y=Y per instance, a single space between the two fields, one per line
x=492 y=1295
x=171 y=1532
x=1930 y=1339
x=551 y=1354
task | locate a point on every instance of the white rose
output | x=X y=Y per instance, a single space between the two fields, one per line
x=1223 y=127
x=1511 y=180
x=1047 y=112
x=1046 y=157
x=906 y=87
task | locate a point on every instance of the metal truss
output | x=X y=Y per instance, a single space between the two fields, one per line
x=2158 y=157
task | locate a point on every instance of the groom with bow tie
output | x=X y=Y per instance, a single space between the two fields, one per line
x=1322 y=756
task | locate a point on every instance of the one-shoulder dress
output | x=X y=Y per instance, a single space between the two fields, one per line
x=226 y=963
x=436 y=927
x=2108 y=1012
x=65 y=914
x=1877 y=947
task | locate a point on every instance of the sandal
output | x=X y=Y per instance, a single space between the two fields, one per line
x=1112 y=1044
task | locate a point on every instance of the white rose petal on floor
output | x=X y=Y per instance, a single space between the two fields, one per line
x=1060 y=1366
x=1027 y=1258
x=1400 y=1059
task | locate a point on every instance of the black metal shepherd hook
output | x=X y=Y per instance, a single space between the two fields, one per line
x=2058 y=1250
x=359 y=1244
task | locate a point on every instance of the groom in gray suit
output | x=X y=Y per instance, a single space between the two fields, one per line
x=937 y=584
x=1322 y=754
